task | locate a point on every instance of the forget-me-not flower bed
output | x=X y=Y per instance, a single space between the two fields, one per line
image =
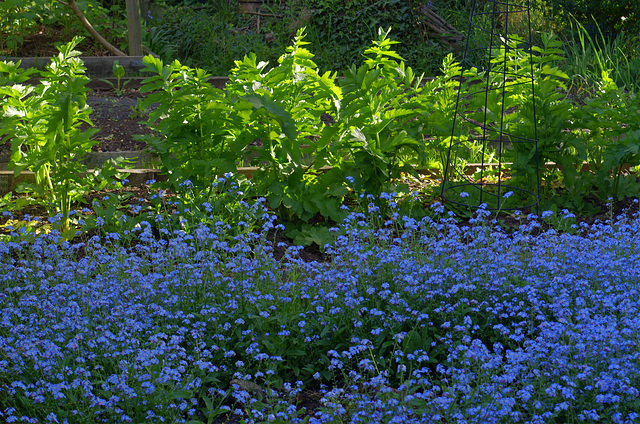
x=417 y=322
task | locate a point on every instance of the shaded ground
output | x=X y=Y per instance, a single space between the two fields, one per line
x=41 y=42
x=118 y=119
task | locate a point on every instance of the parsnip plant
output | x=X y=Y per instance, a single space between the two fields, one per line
x=197 y=126
x=268 y=118
x=44 y=122
x=282 y=114
x=379 y=129
x=313 y=137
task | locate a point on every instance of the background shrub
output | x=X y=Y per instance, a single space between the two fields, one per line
x=207 y=35
x=212 y=34
x=610 y=16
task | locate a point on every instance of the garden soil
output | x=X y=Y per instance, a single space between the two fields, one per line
x=117 y=119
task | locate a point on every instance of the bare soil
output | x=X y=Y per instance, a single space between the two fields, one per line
x=42 y=41
x=116 y=117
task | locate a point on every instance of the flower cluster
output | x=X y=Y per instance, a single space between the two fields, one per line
x=419 y=321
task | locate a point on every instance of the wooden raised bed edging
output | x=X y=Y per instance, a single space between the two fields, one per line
x=101 y=67
x=139 y=177
x=141 y=159
x=97 y=66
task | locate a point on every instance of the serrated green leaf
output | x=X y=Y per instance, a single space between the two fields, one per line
x=275 y=110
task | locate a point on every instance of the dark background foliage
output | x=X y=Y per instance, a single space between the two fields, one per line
x=611 y=16
x=211 y=34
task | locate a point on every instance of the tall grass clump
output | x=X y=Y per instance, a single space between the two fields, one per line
x=407 y=321
x=591 y=54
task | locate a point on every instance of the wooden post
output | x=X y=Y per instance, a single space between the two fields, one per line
x=134 y=27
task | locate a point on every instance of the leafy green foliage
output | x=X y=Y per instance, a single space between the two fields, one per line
x=314 y=138
x=611 y=128
x=196 y=123
x=44 y=126
x=341 y=30
x=120 y=84
x=612 y=15
x=275 y=119
x=18 y=18
x=378 y=133
x=532 y=133
x=282 y=111
x=212 y=38
x=601 y=132
x=265 y=118
x=552 y=112
x=22 y=18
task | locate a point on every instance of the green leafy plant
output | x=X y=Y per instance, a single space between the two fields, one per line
x=13 y=41
x=313 y=141
x=196 y=123
x=602 y=131
x=265 y=118
x=159 y=41
x=119 y=73
x=292 y=123
x=282 y=111
x=44 y=126
x=441 y=92
x=566 y=135
x=610 y=127
x=378 y=132
x=514 y=112
x=553 y=117
x=18 y=18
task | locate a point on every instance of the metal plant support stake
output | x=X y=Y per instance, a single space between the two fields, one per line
x=489 y=121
